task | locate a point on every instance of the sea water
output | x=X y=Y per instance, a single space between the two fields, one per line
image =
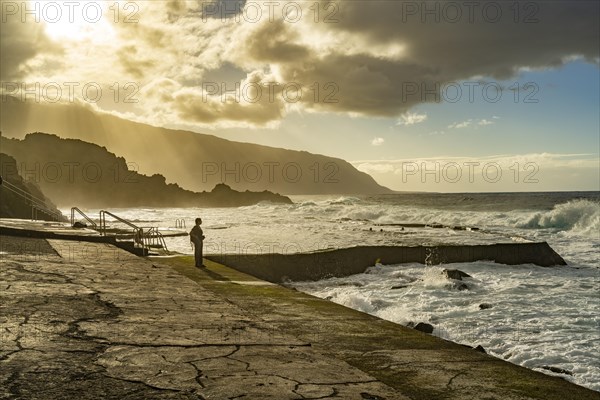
x=538 y=317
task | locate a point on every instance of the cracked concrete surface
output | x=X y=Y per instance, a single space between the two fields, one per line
x=417 y=365
x=101 y=323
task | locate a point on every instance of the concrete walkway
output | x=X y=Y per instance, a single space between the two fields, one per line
x=415 y=364
x=90 y=321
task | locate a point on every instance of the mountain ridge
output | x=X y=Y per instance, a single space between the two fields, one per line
x=196 y=161
x=74 y=172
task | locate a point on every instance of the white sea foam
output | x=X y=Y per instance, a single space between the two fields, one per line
x=538 y=316
x=578 y=216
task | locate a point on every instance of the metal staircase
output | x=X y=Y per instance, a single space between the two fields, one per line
x=135 y=239
x=88 y=219
x=128 y=236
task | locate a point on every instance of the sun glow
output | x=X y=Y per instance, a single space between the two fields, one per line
x=75 y=21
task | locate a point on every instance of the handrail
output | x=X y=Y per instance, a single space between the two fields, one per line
x=37 y=204
x=138 y=233
x=91 y=221
x=24 y=192
x=162 y=240
x=153 y=236
x=103 y=221
x=54 y=215
x=145 y=237
x=35 y=209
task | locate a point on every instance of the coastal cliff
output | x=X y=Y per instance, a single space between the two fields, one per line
x=196 y=161
x=73 y=172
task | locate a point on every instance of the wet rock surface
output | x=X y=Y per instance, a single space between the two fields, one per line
x=557 y=370
x=455 y=274
x=423 y=327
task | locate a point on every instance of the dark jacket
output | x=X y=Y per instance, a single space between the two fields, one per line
x=196 y=235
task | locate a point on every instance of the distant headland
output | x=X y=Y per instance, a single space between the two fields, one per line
x=71 y=172
x=195 y=161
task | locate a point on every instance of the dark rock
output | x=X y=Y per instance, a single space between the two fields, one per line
x=78 y=224
x=423 y=327
x=399 y=287
x=456 y=285
x=480 y=349
x=462 y=286
x=354 y=284
x=455 y=274
x=485 y=306
x=557 y=370
x=369 y=396
x=224 y=196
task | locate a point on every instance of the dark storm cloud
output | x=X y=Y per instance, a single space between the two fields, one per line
x=491 y=39
x=537 y=35
x=373 y=55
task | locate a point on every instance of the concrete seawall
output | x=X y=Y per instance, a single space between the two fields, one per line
x=355 y=260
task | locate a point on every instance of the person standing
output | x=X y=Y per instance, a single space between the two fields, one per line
x=197 y=238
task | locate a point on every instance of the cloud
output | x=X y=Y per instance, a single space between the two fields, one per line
x=460 y=125
x=252 y=103
x=411 y=118
x=506 y=172
x=376 y=167
x=357 y=63
x=20 y=43
x=557 y=160
x=470 y=122
x=376 y=85
x=377 y=141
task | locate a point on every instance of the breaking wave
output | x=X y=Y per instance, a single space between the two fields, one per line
x=577 y=216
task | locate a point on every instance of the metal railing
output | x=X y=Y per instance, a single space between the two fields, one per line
x=136 y=229
x=36 y=210
x=38 y=205
x=142 y=237
x=153 y=238
x=180 y=223
x=88 y=219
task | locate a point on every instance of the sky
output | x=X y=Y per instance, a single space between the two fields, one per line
x=434 y=96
